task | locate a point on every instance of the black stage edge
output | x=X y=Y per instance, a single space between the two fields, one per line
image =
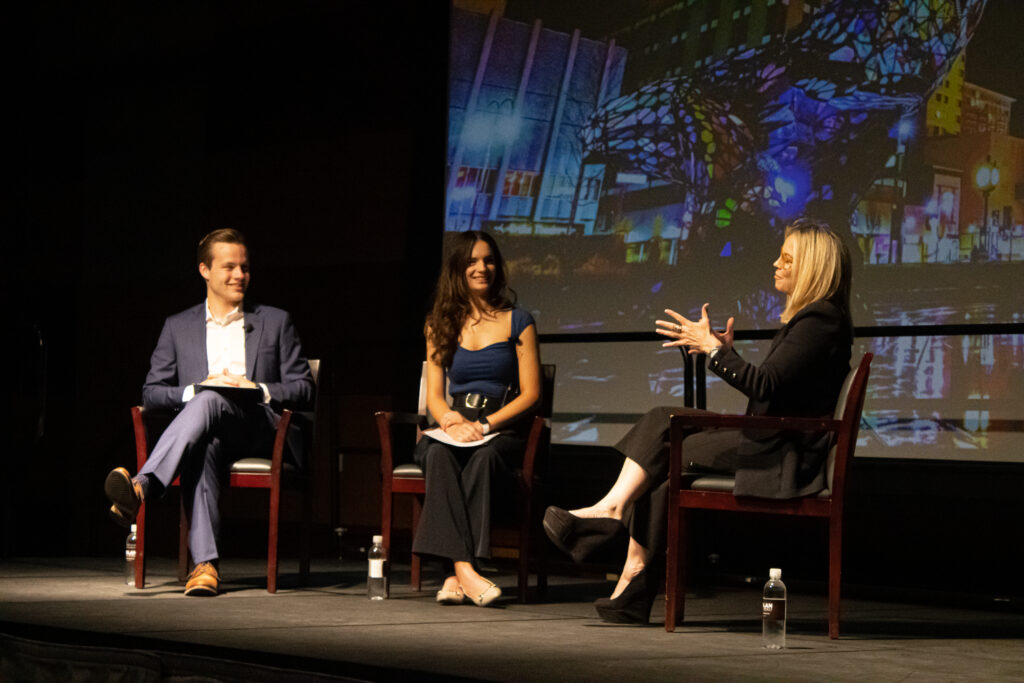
x=49 y=653
x=74 y=619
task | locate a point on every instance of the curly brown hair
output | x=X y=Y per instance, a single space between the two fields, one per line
x=451 y=297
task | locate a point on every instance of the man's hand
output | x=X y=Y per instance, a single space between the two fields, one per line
x=226 y=379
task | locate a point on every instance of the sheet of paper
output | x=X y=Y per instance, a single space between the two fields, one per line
x=439 y=435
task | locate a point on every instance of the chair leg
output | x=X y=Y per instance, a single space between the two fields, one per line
x=415 y=580
x=140 y=547
x=835 y=570
x=524 y=566
x=275 y=518
x=385 y=531
x=525 y=524
x=304 y=534
x=542 y=577
x=675 y=572
x=534 y=550
x=182 y=542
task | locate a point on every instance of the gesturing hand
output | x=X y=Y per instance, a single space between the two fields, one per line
x=697 y=335
x=725 y=336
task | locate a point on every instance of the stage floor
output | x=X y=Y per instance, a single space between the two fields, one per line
x=67 y=615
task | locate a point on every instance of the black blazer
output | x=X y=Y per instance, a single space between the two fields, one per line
x=801 y=376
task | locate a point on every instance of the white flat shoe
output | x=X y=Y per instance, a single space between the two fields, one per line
x=446 y=597
x=489 y=595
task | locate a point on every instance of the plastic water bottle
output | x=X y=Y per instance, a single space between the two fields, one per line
x=773 y=612
x=129 y=558
x=376 y=581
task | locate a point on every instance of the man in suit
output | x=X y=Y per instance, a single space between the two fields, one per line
x=222 y=343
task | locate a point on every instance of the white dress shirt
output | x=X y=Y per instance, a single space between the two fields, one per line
x=225 y=347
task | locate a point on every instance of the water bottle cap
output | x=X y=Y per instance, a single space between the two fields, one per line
x=774 y=573
x=377 y=540
x=133 y=528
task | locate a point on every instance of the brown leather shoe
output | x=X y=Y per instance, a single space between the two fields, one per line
x=203 y=580
x=126 y=495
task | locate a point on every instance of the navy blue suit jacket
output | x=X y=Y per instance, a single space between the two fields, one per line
x=273 y=356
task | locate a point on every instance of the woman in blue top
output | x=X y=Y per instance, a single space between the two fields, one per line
x=488 y=348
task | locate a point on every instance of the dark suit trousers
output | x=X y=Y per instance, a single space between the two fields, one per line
x=464 y=487
x=645 y=444
x=199 y=445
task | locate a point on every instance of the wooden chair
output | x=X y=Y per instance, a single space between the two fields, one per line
x=270 y=473
x=407 y=478
x=714 y=492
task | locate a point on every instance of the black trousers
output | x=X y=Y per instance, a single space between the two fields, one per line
x=644 y=443
x=465 y=487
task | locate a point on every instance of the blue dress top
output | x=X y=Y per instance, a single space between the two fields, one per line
x=492 y=369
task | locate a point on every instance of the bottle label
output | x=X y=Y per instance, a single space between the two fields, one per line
x=376 y=569
x=773 y=609
x=129 y=555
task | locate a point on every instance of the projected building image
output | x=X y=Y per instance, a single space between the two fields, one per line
x=520 y=95
x=634 y=157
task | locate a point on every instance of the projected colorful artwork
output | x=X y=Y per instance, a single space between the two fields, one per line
x=774 y=127
x=634 y=157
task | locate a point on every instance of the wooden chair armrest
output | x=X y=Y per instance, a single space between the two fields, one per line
x=533 y=442
x=148 y=424
x=395 y=418
x=801 y=424
x=681 y=423
x=139 y=429
x=280 y=439
x=385 y=421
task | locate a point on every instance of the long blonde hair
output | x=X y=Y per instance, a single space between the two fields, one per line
x=821 y=269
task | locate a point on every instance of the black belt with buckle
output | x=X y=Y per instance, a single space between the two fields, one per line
x=473 y=405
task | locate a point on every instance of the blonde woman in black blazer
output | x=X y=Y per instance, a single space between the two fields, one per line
x=801 y=376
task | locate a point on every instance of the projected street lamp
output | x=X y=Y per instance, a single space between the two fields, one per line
x=986 y=180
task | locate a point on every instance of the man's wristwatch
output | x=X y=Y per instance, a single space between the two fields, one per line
x=486 y=425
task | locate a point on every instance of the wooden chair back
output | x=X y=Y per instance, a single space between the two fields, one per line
x=715 y=492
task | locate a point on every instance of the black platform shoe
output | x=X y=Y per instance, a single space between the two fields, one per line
x=581 y=537
x=633 y=605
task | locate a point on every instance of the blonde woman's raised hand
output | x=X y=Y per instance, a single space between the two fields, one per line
x=697 y=335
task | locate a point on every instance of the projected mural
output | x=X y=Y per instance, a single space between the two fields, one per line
x=771 y=130
x=638 y=156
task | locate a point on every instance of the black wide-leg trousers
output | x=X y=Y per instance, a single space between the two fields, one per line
x=464 y=488
x=708 y=450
